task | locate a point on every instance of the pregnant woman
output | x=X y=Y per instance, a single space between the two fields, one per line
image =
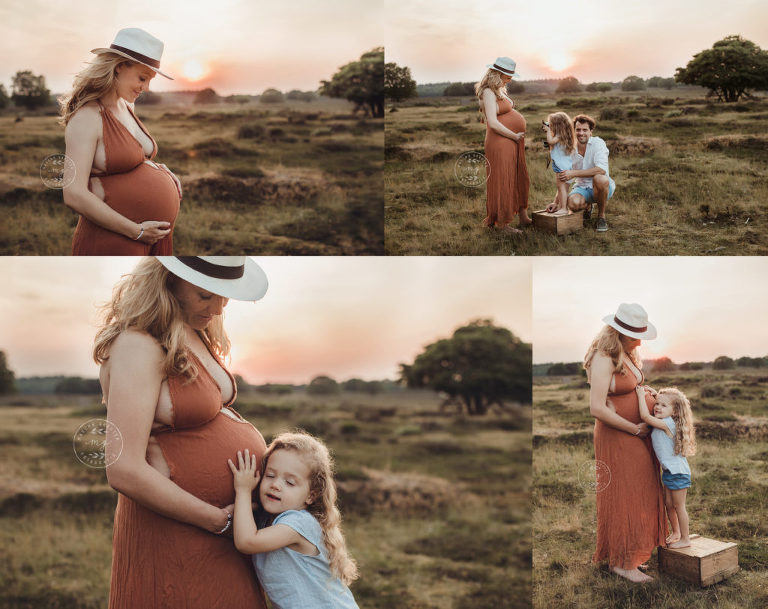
x=127 y=203
x=630 y=502
x=508 y=183
x=161 y=349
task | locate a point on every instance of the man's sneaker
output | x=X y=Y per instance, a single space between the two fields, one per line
x=602 y=225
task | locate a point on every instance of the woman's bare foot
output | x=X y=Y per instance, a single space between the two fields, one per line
x=683 y=543
x=525 y=219
x=672 y=538
x=633 y=575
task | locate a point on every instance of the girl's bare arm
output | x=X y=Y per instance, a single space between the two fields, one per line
x=134 y=386
x=645 y=414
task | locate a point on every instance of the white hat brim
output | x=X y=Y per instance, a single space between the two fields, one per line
x=513 y=75
x=103 y=50
x=649 y=334
x=250 y=287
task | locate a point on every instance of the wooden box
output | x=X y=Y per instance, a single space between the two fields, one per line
x=558 y=225
x=705 y=562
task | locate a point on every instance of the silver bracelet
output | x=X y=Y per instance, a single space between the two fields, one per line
x=226 y=526
x=141 y=232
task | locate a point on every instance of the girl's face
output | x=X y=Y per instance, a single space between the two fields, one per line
x=629 y=343
x=285 y=483
x=133 y=80
x=664 y=407
x=198 y=306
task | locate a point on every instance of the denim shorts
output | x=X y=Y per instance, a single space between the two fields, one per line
x=588 y=194
x=675 y=482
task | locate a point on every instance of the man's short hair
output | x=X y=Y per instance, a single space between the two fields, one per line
x=583 y=118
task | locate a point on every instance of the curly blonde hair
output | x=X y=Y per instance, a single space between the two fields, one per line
x=491 y=80
x=322 y=488
x=143 y=300
x=685 y=431
x=561 y=126
x=608 y=342
x=91 y=83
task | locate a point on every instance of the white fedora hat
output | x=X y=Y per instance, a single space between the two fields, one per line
x=631 y=320
x=505 y=65
x=137 y=45
x=236 y=277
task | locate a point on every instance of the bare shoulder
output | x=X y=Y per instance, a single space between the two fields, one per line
x=601 y=363
x=136 y=344
x=87 y=119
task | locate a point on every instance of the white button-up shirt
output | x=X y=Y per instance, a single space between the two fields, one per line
x=595 y=155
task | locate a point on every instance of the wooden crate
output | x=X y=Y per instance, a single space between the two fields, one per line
x=705 y=562
x=558 y=225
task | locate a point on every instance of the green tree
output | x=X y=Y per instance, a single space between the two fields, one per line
x=4 y=99
x=569 y=84
x=398 y=83
x=322 y=385
x=723 y=363
x=562 y=369
x=272 y=96
x=78 y=385
x=513 y=87
x=206 y=96
x=296 y=95
x=29 y=90
x=361 y=82
x=149 y=98
x=663 y=364
x=481 y=364
x=633 y=83
x=459 y=89
x=731 y=68
x=7 y=378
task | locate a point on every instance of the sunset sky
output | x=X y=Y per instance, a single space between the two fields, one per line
x=234 y=46
x=345 y=317
x=594 y=40
x=702 y=307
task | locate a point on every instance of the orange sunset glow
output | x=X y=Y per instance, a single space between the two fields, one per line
x=701 y=307
x=345 y=317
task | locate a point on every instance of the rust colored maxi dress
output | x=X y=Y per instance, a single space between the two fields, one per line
x=508 y=183
x=161 y=563
x=630 y=507
x=135 y=189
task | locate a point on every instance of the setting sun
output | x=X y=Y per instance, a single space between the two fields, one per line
x=193 y=70
x=559 y=60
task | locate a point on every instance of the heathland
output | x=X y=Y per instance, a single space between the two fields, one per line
x=436 y=506
x=691 y=175
x=728 y=500
x=274 y=179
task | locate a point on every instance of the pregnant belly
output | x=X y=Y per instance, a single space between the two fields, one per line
x=512 y=120
x=144 y=193
x=197 y=457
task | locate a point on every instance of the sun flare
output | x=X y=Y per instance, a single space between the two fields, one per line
x=559 y=60
x=193 y=70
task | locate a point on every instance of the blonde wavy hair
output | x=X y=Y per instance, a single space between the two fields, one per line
x=144 y=301
x=91 y=83
x=562 y=128
x=608 y=342
x=322 y=488
x=491 y=80
x=685 y=432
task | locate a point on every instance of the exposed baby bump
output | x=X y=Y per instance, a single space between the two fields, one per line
x=144 y=193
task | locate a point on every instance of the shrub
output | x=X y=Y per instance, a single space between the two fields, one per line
x=271 y=96
x=612 y=113
x=251 y=132
x=723 y=363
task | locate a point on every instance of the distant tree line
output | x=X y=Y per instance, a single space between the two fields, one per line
x=662 y=364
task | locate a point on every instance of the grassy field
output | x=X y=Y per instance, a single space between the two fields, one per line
x=728 y=499
x=291 y=178
x=691 y=175
x=436 y=506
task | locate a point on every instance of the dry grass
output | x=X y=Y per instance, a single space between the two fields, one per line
x=691 y=177
x=292 y=179
x=728 y=500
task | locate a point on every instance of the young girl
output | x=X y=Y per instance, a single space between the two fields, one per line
x=673 y=440
x=301 y=559
x=561 y=139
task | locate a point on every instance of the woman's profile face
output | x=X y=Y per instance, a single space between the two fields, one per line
x=505 y=78
x=132 y=80
x=629 y=343
x=198 y=306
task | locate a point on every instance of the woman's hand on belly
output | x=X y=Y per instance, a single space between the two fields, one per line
x=173 y=176
x=151 y=231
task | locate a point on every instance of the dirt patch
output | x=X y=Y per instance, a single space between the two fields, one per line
x=629 y=145
x=273 y=186
x=743 y=142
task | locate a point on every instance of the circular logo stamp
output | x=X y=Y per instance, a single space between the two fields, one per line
x=52 y=171
x=472 y=169
x=594 y=475
x=98 y=443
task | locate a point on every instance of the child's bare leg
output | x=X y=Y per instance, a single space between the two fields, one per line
x=562 y=198
x=672 y=515
x=678 y=497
